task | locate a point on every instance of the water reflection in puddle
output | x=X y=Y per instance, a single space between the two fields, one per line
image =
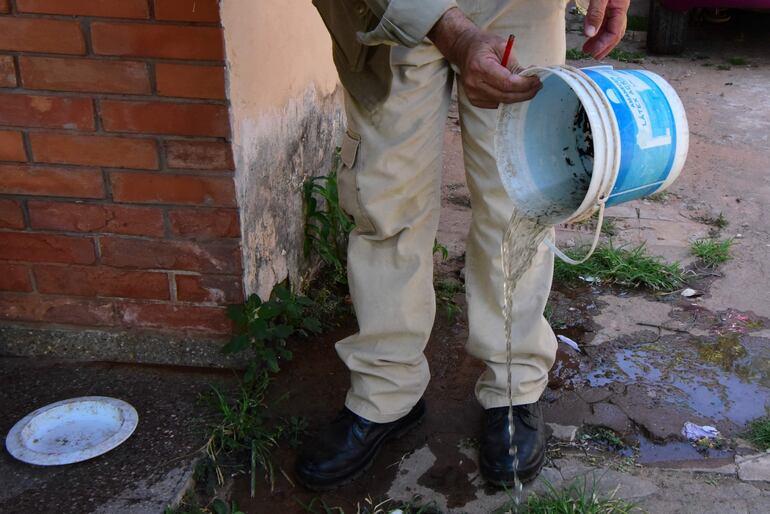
x=725 y=377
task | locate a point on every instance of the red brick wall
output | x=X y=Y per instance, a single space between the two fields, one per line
x=117 y=202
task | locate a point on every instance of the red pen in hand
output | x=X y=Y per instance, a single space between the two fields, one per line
x=508 y=47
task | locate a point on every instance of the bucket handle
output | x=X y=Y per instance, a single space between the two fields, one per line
x=561 y=255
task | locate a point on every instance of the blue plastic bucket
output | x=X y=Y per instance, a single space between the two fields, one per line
x=590 y=138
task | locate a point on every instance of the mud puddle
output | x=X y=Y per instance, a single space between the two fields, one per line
x=675 y=453
x=721 y=378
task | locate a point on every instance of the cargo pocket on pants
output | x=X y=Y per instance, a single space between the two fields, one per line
x=348 y=186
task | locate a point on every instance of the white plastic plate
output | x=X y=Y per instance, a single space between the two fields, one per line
x=72 y=430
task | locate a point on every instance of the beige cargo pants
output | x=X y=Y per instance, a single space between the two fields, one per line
x=390 y=183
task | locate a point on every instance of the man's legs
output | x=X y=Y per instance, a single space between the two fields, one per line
x=540 y=40
x=393 y=191
x=390 y=184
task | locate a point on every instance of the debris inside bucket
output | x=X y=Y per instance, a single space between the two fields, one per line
x=584 y=143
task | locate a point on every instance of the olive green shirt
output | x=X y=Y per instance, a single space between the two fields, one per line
x=362 y=31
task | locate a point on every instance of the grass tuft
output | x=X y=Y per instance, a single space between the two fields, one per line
x=578 y=497
x=617 y=265
x=759 y=433
x=576 y=54
x=626 y=56
x=712 y=252
x=738 y=61
x=446 y=289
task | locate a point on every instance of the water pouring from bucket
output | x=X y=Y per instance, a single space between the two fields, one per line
x=591 y=138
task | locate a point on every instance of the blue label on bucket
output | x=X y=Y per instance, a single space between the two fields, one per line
x=647 y=131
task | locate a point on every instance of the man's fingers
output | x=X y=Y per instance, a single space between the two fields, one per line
x=594 y=17
x=489 y=97
x=509 y=98
x=503 y=80
x=610 y=34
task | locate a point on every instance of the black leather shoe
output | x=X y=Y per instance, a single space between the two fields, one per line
x=346 y=448
x=495 y=463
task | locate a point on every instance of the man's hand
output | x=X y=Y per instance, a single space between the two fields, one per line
x=477 y=54
x=605 y=25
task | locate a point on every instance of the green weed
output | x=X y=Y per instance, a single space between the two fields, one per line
x=244 y=428
x=293 y=429
x=758 y=432
x=577 y=497
x=609 y=227
x=446 y=289
x=737 y=61
x=660 y=197
x=440 y=249
x=605 y=437
x=326 y=225
x=626 y=56
x=576 y=54
x=617 y=265
x=719 y=221
x=264 y=327
x=712 y=252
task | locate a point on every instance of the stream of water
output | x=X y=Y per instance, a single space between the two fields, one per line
x=520 y=244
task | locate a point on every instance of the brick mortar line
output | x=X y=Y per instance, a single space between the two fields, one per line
x=172 y=291
x=154 y=301
x=17 y=71
x=212 y=243
x=103 y=201
x=87 y=201
x=89 y=18
x=185 y=273
x=25 y=214
x=181 y=172
x=118 y=58
x=124 y=97
x=134 y=135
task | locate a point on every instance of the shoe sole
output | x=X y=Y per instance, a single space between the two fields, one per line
x=357 y=474
x=499 y=482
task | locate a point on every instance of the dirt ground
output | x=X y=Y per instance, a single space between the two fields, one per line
x=649 y=362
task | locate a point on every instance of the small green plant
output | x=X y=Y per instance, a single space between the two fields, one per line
x=293 y=428
x=264 y=327
x=626 y=56
x=446 y=289
x=244 y=428
x=738 y=61
x=609 y=227
x=326 y=225
x=617 y=265
x=576 y=54
x=605 y=437
x=758 y=432
x=718 y=222
x=578 y=497
x=440 y=249
x=660 y=197
x=712 y=252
